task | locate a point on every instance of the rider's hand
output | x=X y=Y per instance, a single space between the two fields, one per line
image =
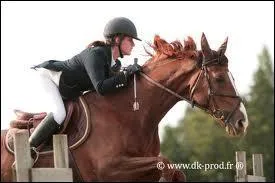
x=132 y=69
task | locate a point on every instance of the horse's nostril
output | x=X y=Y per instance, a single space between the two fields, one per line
x=240 y=123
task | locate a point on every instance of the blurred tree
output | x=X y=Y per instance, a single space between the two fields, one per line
x=198 y=138
x=260 y=108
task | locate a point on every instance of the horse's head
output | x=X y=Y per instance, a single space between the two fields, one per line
x=199 y=77
x=214 y=89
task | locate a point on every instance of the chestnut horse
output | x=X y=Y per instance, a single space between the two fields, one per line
x=123 y=144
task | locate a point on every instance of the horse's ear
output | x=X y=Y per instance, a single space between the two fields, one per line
x=222 y=48
x=206 y=51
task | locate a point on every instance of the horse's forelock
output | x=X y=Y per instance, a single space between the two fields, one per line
x=189 y=44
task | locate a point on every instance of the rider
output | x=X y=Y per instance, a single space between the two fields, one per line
x=96 y=68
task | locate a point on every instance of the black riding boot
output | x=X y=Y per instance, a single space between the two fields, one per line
x=44 y=130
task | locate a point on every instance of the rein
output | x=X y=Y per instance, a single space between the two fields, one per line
x=163 y=87
x=170 y=91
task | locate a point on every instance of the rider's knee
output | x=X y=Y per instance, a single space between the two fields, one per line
x=59 y=115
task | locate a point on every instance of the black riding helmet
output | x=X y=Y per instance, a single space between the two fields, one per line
x=120 y=26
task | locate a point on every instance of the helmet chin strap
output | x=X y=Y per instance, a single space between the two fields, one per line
x=119 y=45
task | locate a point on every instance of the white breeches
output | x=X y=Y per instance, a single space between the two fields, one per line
x=48 y=81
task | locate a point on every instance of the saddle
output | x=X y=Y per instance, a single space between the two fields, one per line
x=75 y=129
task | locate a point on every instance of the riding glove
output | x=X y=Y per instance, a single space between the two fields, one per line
x=132 y=69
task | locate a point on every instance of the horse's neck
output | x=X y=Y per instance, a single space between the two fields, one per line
x=174 y=76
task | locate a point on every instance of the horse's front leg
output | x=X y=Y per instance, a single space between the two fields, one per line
x=130 y=169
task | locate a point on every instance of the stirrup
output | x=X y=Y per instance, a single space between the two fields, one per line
x=36 y=153
x=33 y=149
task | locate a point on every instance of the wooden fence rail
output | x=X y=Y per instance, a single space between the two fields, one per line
x=241 y=174
x=23 y=162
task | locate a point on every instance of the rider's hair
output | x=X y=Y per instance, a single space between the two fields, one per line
x=110 y=41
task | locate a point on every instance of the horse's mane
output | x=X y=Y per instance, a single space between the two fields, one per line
x=174 y=49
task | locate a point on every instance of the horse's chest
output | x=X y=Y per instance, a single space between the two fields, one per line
x=138 y=144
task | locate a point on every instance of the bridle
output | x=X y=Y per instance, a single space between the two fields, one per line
x=216 y=112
